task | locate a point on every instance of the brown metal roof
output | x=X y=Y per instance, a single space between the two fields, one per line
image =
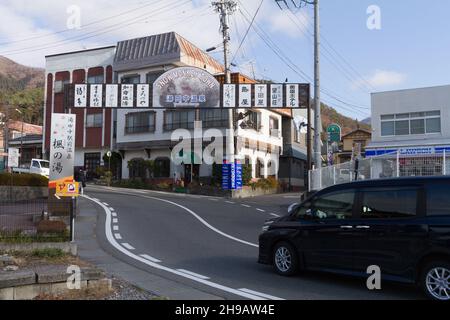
x=156 y=50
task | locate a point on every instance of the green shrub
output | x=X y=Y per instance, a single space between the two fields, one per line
x=246 y=174
x=266 y=184
x=23 y=180
x=48 y=253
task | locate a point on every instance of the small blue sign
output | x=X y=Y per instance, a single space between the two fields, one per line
x=225 y=176
x=238 y=176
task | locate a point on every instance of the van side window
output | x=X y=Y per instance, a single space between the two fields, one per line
x=438 y=202
x=389 y=203
x=35 y=164
x=336 y=205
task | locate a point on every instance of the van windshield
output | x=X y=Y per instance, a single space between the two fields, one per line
x=45 y=164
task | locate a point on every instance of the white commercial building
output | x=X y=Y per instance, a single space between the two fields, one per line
x=414 y=125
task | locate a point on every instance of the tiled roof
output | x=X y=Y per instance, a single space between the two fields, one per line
x=158 y=49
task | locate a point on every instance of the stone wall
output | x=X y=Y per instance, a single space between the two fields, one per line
x=27 y=284
x=22 y=193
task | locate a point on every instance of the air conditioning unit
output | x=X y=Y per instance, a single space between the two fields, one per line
x=59 y=87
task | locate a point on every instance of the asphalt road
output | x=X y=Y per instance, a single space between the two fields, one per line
x=211 y=244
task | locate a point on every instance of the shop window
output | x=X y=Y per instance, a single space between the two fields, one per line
x=162 y=168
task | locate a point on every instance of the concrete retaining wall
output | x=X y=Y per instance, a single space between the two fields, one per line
x=66 y=247
x=248 y=192
x=23 y=193
x=51 y=280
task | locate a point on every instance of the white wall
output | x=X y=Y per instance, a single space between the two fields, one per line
x=413 y=100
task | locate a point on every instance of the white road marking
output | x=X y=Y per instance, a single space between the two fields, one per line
x=291 y=197
x=291 y=206
x=149 y=258
x=114 y=214
x=263 y=295
x=116 y=228
x=261 y=210
x=115 y=244
x=275 y=215
x=193 y=274
x=202 y=221
x=118 y=236
x=246 y=205
x=230 y=202
x=112 y=209
x=128 y=246
x=115 y=220
x=106 y=204
x=212 y=199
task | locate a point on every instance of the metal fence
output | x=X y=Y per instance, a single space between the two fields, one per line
x=385 y=166
x=39 y=220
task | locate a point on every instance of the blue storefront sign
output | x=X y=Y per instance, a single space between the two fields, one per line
x=231 y=176
x=238 y=176
x=409 y=151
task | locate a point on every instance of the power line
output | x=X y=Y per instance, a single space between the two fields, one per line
x=92 y=34
x=85 y=25
x=279 y=53
x=344 y=69
x=248 y=29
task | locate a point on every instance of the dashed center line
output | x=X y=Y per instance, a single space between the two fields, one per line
x=116 y=228
x=275 y=215
x=115 y=220
x=149 y=258
x=260 y=210
x=118 y=236
x=246 y=205
x=113 y=213
x=128 y=246
x=230 y=202
x=194 y=274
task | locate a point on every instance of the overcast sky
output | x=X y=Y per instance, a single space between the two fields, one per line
x=410 y=50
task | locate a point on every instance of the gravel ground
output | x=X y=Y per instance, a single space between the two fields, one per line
x=126 y=291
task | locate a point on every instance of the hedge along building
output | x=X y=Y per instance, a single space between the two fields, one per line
x=94 y=126
x=147 y=134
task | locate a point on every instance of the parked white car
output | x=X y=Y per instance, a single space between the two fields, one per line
x=37 y=166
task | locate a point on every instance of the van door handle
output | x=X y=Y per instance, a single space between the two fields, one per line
x=362 y=227
x=346 y=227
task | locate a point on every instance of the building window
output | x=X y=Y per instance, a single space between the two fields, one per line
x=151 y=77
x=95 y=79
x=274 y=127
x=134 y=79
x=411 y=123
x=254 y=121
x=259 y=169
x=139 y=122
x=214 y=118
x=94 y=120
x=179 y=120
x=162 y=168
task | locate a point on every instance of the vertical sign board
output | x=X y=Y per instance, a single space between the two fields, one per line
x=13 y=157
x=238 y=176
x=225 y=176
x=62 y=148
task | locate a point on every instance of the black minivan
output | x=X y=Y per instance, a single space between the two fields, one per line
x=400 y=225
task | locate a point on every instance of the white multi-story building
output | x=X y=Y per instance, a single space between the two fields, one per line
x=147 y=134
x=410 y=123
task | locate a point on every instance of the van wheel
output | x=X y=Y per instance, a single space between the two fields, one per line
x=435 y=280
x=285 y=259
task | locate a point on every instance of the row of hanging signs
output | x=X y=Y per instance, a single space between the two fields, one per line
x=189 y=87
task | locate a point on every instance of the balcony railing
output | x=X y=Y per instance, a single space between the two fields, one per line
x=139 y=129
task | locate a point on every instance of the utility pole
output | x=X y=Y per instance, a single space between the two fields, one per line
x=225 y=8
x=317 y=115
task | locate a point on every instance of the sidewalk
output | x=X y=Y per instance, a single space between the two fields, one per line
x=90 y=223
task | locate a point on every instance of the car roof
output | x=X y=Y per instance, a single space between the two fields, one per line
x=387 y=182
